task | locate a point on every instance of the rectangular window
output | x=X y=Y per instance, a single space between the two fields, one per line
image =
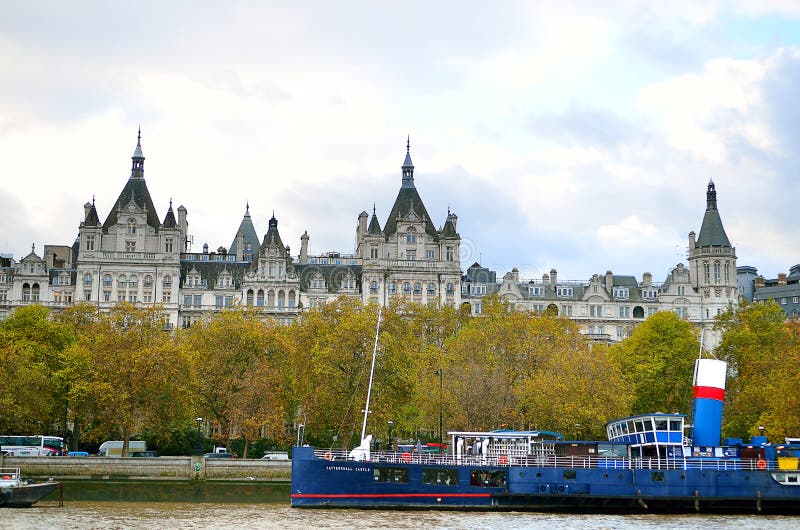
x=148 y=298
x=440 y=477
x=87 y=296
x=168 y=244
x=488 y=479
x=783 y=301
x=478 y=308
x=89 y=242
x=132 y=298
x=564 y=291
x=795 y=299
x=130 y=246
x=198 y=300
x=166 y=297
x=536 y=290
x=218 y=301
x=624 y=311
x=430 y=254
x=187 y=300
x=449 y=254
x=566 y=310
x=619 y=332
x=570 y=474
x=411 y=254
x=596 y=311
x=391 y=475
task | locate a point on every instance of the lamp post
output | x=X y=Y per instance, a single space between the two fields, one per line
x=198 y=446
x=440 y=373
x=390 y=423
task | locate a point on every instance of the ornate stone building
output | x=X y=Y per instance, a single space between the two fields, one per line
x=134 y=256
x=607 y=307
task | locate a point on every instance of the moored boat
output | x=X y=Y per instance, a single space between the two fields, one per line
x=648 y=464
x=18 y=493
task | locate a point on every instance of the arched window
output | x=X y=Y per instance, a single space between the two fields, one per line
x=411 y=235
x=122 y=280
x=35 y=292
x=260 y=299
x=87 y=279
x=292 y=304
x=392 y=288
x=417 y=288
x=406 y=287
x=249 y=297
x=167 y=281
x=450 y=288
x=373 y=287
x=133 y=282
x=271 y=298
x=148 y=280
x=431 y=288
x=26 y=292
x=281 y=299
x=107 y=280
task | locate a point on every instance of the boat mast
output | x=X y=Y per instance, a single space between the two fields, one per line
x=371 y=373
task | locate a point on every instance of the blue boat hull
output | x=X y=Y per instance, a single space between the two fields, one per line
x=317 y=482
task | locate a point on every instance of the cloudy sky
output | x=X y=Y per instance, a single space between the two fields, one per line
x=563 y=135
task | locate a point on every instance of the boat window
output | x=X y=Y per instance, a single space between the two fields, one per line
x=675 y=425
x=640 y=426
x=629 y=427
x=657 y=476
x=440 y=477
x=488 y=479
x=396 y=475
x=612 y=450
x=661 y=424
x=570 y=474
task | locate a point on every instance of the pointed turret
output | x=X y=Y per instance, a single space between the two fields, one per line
x=169 y=219
x=374 y=226
x=249 y=237
x=91 y=218
x=408 y=166
x=135 y=193
x=272 y=239
x=712 y=233
x=408 y=202
x=137 y=160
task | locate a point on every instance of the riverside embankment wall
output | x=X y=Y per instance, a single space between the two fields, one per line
x=161 y=468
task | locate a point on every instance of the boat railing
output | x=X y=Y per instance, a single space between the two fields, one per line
x=570 y=462
x=9 y=476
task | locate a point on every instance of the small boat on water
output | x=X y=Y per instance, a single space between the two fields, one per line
x=18 y=493
x=648 y=464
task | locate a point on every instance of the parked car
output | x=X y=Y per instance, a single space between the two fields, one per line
x=145 y=454
x=275 y=455
x=219 y=455
x=77 y=453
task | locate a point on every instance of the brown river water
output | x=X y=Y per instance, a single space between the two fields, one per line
x=122 y=515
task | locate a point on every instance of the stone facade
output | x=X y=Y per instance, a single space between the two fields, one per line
x=136 y=257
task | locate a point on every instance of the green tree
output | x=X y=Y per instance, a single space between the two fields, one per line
x=762 y=351
x=236 y=368
x=129 y=372
x=657 y=362
x=31 y=346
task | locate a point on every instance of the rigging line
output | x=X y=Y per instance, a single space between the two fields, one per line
x=371 y=374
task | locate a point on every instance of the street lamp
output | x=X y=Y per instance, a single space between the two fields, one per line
x=198 y=446
x=440 y=373
x=391 y=427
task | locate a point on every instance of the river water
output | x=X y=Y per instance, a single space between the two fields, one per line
x=121 y=515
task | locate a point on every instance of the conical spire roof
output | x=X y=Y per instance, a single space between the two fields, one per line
x=169 y=219
x=272 y=239
x=248 y=232
x=407 y=201
x=712 y=233
x=374 y=228
x=135 y=191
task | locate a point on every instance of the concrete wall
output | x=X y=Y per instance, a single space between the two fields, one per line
x=161 y=468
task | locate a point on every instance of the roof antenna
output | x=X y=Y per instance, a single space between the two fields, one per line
x=408 y=144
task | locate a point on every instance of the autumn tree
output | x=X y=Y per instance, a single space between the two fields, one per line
x=128 y=372
x=657 y=363
x=763 y=354
x=236 y=370
x=31 y=346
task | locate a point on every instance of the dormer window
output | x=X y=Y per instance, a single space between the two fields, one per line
x=621 y=293
x=131 y=225
x=411 y=235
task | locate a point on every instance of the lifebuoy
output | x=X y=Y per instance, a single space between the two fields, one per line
x=328 y=456
x=406 y=457
x=502 y=460
x=761 y=464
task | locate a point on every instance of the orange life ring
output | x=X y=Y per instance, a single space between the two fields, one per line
x=406 y=457
x=502 y=460
x=328 y=456
x=761 y=464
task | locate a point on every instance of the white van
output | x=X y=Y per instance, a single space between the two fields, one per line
x=114 y=448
